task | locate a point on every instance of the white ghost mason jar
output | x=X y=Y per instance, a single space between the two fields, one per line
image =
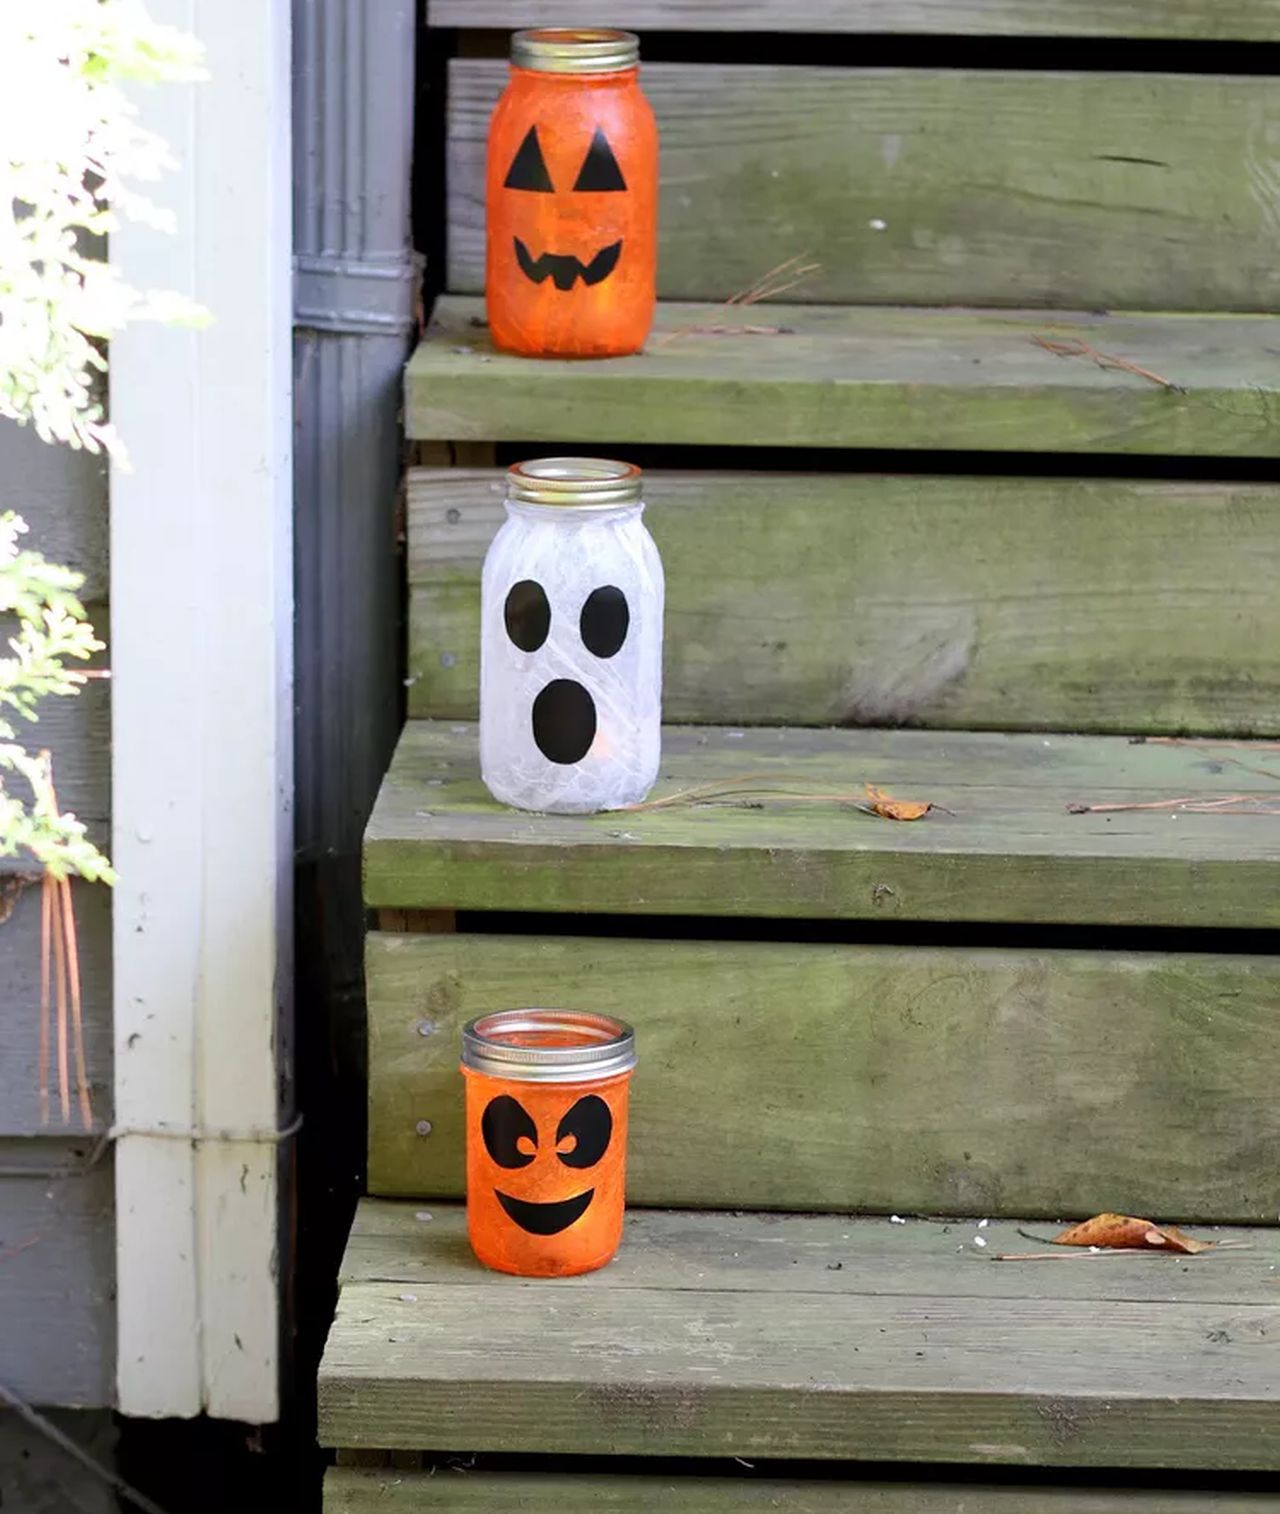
x=571 y=641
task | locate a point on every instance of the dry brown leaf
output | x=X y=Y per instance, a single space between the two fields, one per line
x=1128 y=1232
x=896 y=809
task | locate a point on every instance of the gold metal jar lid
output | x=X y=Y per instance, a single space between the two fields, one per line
x=575 y=50
x=548 y=1045
x=583 y=483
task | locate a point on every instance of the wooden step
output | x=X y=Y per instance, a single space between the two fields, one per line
x=926 y=186
x=1257 y=20
x=866 y=599
x=793 y=844
x=939 y=1081
x=871 y=377
x=808 y=1337
x=462 y=1491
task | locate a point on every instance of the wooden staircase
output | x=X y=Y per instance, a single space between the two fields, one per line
x=1020 y=564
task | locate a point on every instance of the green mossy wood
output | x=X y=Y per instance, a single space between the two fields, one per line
x=1257 y=20
x=1009 y=851
x=866 y=377
x=408 y=1492
x=827 y=599
x=767 y=1255
x=879 y=1359
x=939 y=187
x=805 y=1076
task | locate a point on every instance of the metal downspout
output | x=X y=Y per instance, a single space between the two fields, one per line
x=355 y=288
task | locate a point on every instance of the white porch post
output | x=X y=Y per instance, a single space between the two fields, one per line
x=202 y=647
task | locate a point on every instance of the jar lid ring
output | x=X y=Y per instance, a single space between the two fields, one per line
x=574 y=482
x=548 y=1045
x=575 y=50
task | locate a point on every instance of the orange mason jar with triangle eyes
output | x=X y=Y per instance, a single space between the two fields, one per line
x=546 y=1138
x=572 y=198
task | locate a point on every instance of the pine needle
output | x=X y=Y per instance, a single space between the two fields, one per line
x=46 y=947
x=1094 y=1253
x=1191 y=804
x=786 y=276
x=60 y=980
x=77 y=1018
x=1075 y=347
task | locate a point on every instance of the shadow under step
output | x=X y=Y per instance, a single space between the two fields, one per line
x=461 y=1491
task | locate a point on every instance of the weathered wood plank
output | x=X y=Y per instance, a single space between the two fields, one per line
x=1013 y=603
x=1257 y=20
x=20 y=998
x=503 y=1364
x=959 y=1075
x=1008 y=851
x=867 y=377
x=760 y=1254
x=57 y=1274
x=351 y=1492
x=939 y=187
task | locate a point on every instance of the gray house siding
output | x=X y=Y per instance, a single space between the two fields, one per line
x=57 y=1240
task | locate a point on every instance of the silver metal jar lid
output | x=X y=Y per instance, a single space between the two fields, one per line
x=548 y=1045
x=575 y=50
x=579 y=482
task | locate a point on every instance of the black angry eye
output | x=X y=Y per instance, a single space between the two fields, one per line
x=527 y=614
x=591 y=1124
x=504 y=1124
x=604 y=621
x=600 y=171
x=529 y=168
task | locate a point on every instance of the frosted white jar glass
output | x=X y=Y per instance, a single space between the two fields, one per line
x=571 y=641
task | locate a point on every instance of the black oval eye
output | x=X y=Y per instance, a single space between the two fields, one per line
x=591 y=1122
x=605 y=619
x=600 y=172
x=503 y=1123
x=529 y=168
x=527 y=614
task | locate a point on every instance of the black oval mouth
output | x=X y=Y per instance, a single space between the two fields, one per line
x=546 y=1219
x=564 y=721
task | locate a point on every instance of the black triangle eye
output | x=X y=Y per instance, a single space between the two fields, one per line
x=529 y=168
x=600 y=172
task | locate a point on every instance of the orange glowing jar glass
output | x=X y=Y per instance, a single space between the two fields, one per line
x=571 y=198
x=546 y=1125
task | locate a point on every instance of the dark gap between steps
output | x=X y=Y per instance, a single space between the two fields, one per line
x=429 y=228
x=954 y=935
x=982 y=54
x=1211 y=1485
x=907 y=463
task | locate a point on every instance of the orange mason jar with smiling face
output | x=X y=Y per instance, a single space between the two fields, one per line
x=572 y=198
x=546 y=1138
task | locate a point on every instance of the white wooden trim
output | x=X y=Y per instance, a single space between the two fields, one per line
x=202 y=638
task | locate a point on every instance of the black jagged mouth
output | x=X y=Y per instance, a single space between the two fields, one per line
x=564 y=270
x=546 y=1219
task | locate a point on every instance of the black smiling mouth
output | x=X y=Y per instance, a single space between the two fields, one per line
x=563 y=270
x=546 y=1219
